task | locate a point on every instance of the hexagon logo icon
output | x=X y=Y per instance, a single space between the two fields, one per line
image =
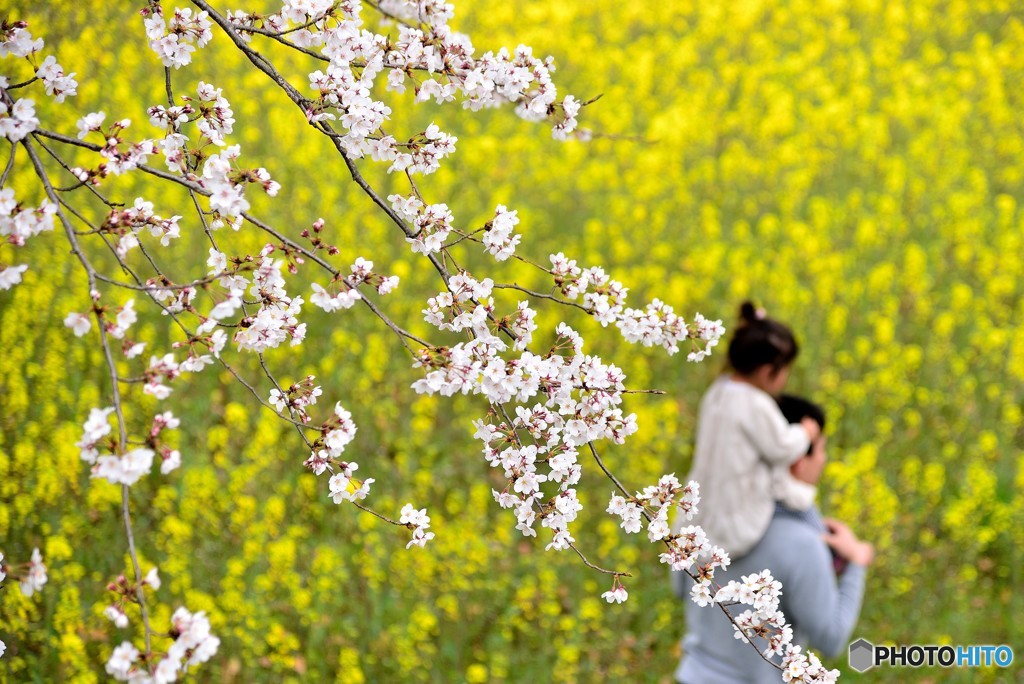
x=862 y=655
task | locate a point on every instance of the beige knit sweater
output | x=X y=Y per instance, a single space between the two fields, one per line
x=741 y=460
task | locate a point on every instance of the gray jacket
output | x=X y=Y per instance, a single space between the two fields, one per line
x=822 y=610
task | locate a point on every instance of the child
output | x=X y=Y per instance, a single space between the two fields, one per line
x=742 y=436
x=821 y=609
x=791 y=492
x=795 y=479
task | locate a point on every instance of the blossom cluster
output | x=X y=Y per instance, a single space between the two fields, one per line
x=656 y=324
x=335 y=435
x=216 y=119
x=765 y=621
x=18 y=117
x=344 y=299
x=170 y=459
x=220 y=176
x=34 y=576
x=806 y=668
x=418 y=521
x=617 y=594
x=128 y=222
x=297 y=397
x=227 y=197
x=17 y=41
x=57 y=84
x=465 y=305
x=689 y=547
x=124 y=317
x=125 y=468
x=31 y=578
x=18 y=224
x=276 y=321
x=499 y=239
x=95 y=429
x=17 y=120
x=361 y=272
x=580 y=402
x=658 y=501
x=426 y=55
x=431 y=223
x=340 y=484
x=193 y=644
x=762 y=592
x=175 y=40
x=120 y=155
x=161 y=369
x=126 y=592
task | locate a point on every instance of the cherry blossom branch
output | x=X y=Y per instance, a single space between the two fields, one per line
x=193 y=189
x=10 y=165
x=540 y=295
x=267 y=68
x=150 y=290
x=258 y=60
x=588 y=392
x=608 y=473
x=400 y=332
x=615 y=573
x=387 y=14
x=369 y=510
x=198 y=189
x=264 y=65
x=115 y=389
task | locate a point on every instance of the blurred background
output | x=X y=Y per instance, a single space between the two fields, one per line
x=854 y=167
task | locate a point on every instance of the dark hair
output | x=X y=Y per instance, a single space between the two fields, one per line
x=759 y=340
x=795 y=409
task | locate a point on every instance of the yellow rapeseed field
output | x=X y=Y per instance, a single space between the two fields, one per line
x=855 y=166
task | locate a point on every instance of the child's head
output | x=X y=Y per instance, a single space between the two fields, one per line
x=795 y=409
x=807 y=469
x=762 y=349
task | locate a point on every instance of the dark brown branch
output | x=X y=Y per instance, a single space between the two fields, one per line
x=115 y=388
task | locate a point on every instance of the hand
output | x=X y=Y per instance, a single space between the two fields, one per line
x=845 y=543
x=812 y=427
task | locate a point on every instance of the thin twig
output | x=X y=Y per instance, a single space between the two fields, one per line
x=379 y=515
x=540 y=295
x=157 y=288
x=388 y=15
x=10 y=165
x=115 y=389
x=518 y=442
x=611 y=477
x=167 y=86
x=617 y=573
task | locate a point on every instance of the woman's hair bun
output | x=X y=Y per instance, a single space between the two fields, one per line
x=748 y=312
x=759 y=340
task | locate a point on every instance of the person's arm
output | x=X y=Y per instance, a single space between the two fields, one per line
x=777 y=440
x=821 y=608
